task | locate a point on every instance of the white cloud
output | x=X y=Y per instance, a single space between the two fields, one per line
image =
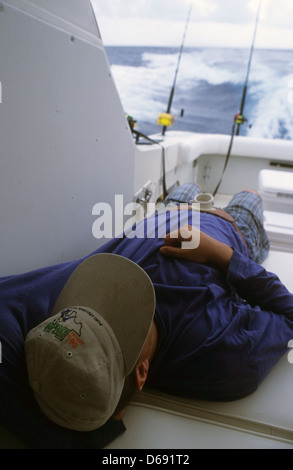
x=204 y=7
x=140 y=32
x=213 y=22
x=275 y=13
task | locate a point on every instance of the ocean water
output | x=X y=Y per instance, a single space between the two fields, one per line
x=209 y=88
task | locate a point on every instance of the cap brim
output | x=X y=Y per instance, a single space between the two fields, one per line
x=120 y=291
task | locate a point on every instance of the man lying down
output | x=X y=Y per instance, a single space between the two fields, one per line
x=205 y=322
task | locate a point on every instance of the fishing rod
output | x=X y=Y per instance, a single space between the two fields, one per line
x=248 y=70
x=176 y=73
x=239 y=119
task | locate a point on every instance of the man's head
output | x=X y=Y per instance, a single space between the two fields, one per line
x=79 y=357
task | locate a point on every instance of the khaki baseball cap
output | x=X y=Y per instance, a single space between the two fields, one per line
x=78 y=359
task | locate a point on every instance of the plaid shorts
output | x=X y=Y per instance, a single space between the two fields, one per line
x=247 y=210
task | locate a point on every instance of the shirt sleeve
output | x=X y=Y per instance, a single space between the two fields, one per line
x=259 y=287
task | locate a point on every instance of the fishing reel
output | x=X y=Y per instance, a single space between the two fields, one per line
x=239 y=119
x=166 y=119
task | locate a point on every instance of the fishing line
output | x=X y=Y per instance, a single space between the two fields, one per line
x=177 y=68
x=239 y=119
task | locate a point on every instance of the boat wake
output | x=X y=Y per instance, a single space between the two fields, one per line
x=209 y=88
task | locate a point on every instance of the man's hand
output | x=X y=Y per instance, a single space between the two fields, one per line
x=207 y=250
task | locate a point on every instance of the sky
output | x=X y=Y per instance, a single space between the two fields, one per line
x=223 y=23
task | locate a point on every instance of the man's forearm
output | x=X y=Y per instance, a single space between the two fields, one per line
x=221 y=256
x=209 y=250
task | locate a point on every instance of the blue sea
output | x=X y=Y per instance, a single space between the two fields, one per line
x=209 y=88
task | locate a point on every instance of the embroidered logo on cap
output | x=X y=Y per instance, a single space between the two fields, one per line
x=61 y=332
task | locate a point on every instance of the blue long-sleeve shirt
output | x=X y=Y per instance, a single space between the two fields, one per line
x=219 y=335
